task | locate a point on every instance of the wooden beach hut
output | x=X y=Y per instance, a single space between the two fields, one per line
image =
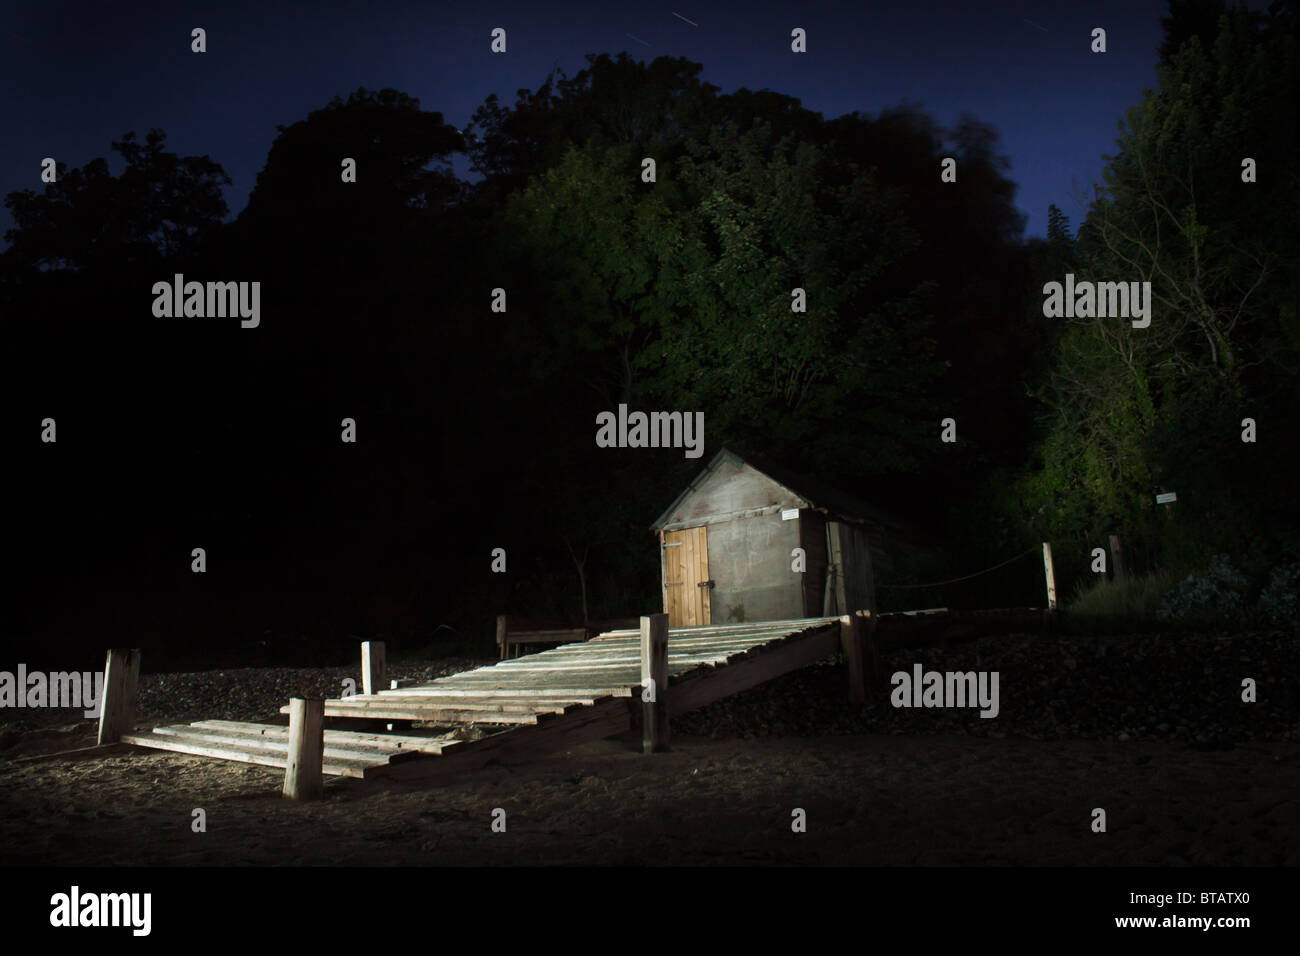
x=728 y=547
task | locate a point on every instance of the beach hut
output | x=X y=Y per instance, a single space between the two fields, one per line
x=750 y=541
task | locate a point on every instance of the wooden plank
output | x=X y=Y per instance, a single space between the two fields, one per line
x=607 y=670
x=620 y=661
x=812 y=538
x=623 y=647
x=856 y=574
x=702 y=574
x=709 y=686
x=623 y=650
x=263 y=758
x=345 y=739
x=674 y=577
x=430 y=705
x=621 y=672
x=508 y=705
x=546 y=694
x=302 y=772
x=431 y=714
x=592 y=648
x=791 y=624
x=604 y=684
x=607 y=717
x=466 y=697
x=610 y=667
x=654 y=683
x=543 y=685
x=836 y=565
x=254 y=742
x=501 y=634
x=698 y=613
x=612 y=648
x=374 y=666
x=117 y=706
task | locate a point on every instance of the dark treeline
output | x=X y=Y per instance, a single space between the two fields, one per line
x=475 y=428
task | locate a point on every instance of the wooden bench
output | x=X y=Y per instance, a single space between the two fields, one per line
x=512 y=631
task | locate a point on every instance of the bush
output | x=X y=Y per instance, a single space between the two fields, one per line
x=1278 y=603
x=1217 y=596
x=1104 y=602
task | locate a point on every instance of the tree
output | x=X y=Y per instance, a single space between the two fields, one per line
x=162 y=206
x=1137 y=408
x=777 y=216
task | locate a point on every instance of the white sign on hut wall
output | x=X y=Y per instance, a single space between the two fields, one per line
x=1167 y=498
x=789 y=514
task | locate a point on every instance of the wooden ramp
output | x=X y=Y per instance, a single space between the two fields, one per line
x=543 y=702
x=585 y=691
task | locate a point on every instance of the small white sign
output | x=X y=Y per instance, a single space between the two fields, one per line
x=1168 y=497
x=789 y=514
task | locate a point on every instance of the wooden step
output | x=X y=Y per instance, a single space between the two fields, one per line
x=346 y=738
x=342 y=757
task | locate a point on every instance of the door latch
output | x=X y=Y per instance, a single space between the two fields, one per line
x=706 y=584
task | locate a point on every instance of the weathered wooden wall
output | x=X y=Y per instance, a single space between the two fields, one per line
x=812 y=538
x=855 y=586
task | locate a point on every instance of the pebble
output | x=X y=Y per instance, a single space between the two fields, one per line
x=1173 y=686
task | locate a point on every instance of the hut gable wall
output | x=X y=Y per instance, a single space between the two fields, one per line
x=731 y=490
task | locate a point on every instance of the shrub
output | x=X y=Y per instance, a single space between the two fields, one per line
x=1104 y=603
x=1217 y=596
x=1278 y=603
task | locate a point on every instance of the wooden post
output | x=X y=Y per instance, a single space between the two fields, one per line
x=853 y=643
x=1117 y=557
x=1049 y=571
x=303 y=775
x=501 y=634
x=117 y=706
x=654 y=683
x=374 y=668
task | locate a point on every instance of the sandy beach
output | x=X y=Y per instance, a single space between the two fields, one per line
x=929 y=788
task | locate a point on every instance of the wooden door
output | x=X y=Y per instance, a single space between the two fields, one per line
x=686 y=577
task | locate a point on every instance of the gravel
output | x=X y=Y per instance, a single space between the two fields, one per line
x=1168 y=687
x=1172 y=687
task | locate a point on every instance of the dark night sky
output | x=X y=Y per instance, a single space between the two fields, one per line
x=78 y=75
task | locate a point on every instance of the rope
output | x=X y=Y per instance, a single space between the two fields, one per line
x=966 y=577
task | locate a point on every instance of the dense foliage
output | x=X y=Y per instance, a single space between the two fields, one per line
x=924 y=301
